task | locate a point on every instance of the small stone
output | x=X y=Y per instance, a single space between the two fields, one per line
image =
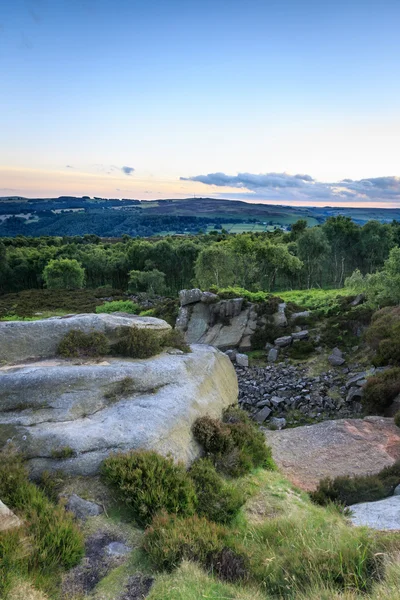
x=396 y=491
x=278 y=422
x=242 y=360
x=300 y=335
x=276 y=400
x=232 y=354
x=83 y=508
x=336 y=358
x=8 y=520
x=117 y=549
x=273 y=355
x=262 y=415
x=283 y=341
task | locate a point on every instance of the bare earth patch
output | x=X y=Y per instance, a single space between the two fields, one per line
x=344 y=447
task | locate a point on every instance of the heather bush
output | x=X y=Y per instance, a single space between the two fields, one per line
x=135 y=342
x=77 y=344
x=174 y=338
x=380 y=391
x=126 y=306
x=217 y=500
x=213 y=435
x=147 y=482
x=383 y=335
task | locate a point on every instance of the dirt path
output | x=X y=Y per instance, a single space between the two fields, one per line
x=343 y=447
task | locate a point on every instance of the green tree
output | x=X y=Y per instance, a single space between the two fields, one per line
x=64 y=273
x=313 y=247
x=152 y=282
x=343 y=236
x=215 y=266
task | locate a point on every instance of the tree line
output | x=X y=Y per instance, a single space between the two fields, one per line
x=322 y=256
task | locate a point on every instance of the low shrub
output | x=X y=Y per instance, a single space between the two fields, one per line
x=126 y=306
x=167 y=309
x=347 y=490
x=147 y=482
x=253 y=451
x=380 y=391
x=383 y=335
x=266 y=334
x=301 y=350
x=214 y=436
x=171 y=539
x=62 y=453
x=397 y=418
x=120 y=389
x=77 y=344
x=217 y=500
x=174 y=338
x=135 y=342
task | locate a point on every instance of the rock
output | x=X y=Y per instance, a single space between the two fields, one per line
x=359 y=299
x=278 y=423
x=242 y=360
x=245 y=344
x=396 y=491
x=209 y=298
x=190 y=296
x=383 y=515
x=276 y=400
x=23 y=340
x=283 y=341
x=8 y=520
x=279 y=318
x=231 y=354
x=262 y=415
x=300 y=335
x=273 y=355
x=355 y=394
x=355 y=379
x=336 y=358
x=120 y=404
x=83 y=508
x=343 y=447
x=117 y=549
x=299 y=315
x=182 y=320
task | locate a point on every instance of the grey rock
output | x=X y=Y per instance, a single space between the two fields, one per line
x=355 y=393
x=396 y=491
x=277 y=400
x=283 y=341
x=382 y=515
x=336 y=358
x=47 y=407
x=300 y=335
x=231 y=353
x=279 y=318
x=82 y=509
x=182 y=320
x=8 y=520
x=209 y=298
x=190 y=296
x=273 y=355
x=262 y=415
x=23 y=340
x=242 y=360
x=300 y=315
x=117 y=549
x=278 y=423
x=355 y=379
x=359 y=299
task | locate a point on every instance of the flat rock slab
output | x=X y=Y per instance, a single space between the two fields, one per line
x=332 y=448
x=383 y=514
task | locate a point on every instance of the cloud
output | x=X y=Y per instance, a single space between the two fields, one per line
x=69 y=167
x=282 y=186
x=127 y=170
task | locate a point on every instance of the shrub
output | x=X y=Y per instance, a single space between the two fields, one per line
x=148 y=482
x=213 y=435
x=301 y=350
x=135 y=342
x=62 y=453
x=218 y=500
x=265 y=334
x=175 y=339
x=171 y=539
x=380 y=391
x=77 y=344
x=383 y=335
x=126 y=306
x=253 y=450
x=397 y=418
x=363 y=488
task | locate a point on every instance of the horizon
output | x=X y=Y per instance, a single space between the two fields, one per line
x=292 y=104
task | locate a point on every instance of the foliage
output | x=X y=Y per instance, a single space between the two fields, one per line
x=80 y=344
x=380 y=391
x=397 y=418
x=126 y=306
x=62 y=453
x=347 y=490
x=383 y=335
x=147 y=482
x=214 y=436
x=174 y=338
x=252 y=449
x=152 y=282
x=138 y=342
x=64 y=273
x=217 y=500
x=301 y=350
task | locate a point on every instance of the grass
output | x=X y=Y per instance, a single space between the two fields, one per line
x=314 y=299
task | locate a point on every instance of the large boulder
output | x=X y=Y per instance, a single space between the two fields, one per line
x=23 y=340
x=332 y=448
x=383 y=514
x=71 y=416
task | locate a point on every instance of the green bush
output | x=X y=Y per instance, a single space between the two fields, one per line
x=383 y=335
x=265 y=334
x=380 y=391
x=218 y=500
x=253 y=451
x=126 y=306
x=135 y=342
x=77 y=344
x=171 y=539
x=12 y=558
x=62 y=453
x=347 y=490
x=175 y=339
x=397 y=418
x=214 y=436
x=301 y=350
x=147 y=482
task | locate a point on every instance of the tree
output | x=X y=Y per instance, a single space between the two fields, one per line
x=313 y=247
x=343 y=235
x=215 y=266
x=376 y=240
x=64 y=273
x=152 y=282
x=297 y=229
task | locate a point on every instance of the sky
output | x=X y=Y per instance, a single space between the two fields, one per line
x=283 y=101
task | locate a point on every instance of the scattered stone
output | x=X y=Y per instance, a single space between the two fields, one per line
x=278 y=423
x=382 y=515
x=273 y=355
x=82 y=509
x=117 y=549
x=283 y=341
x=355 y=393
x=8 y=520
x=280 y=319
x=355 y=379
x=300 y=335
x=231 y=354
x=336 y=358
x=242 y=360
x=262 y=415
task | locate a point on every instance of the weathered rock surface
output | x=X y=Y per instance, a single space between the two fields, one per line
x=332 y=448
x=8 y=520
x=82 y=509
x=24 y=340
x=383 y=514
x=93 y=409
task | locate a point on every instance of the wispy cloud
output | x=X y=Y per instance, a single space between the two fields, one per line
x=127 y=170
x=282 y=186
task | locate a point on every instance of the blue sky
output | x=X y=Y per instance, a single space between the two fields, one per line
x=151 y=98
